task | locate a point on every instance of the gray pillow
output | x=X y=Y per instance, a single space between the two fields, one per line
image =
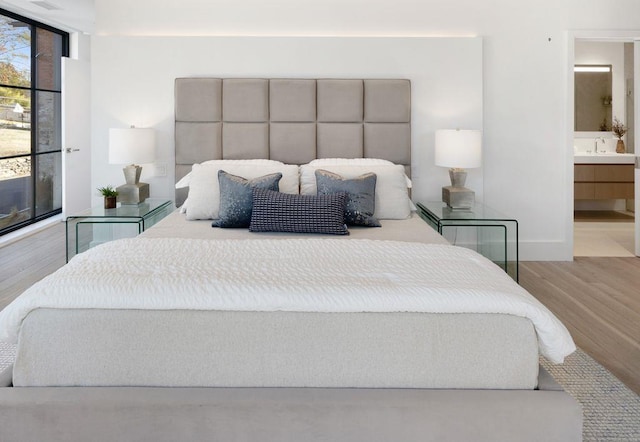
x=283 y=212
x=236 y=198
x=361 y=195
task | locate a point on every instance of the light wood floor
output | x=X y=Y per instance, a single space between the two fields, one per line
x=29 y=260
x=598 y=299
x=604 y=239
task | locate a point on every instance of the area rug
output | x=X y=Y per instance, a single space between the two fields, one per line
x=611 y=410
x=7 y=355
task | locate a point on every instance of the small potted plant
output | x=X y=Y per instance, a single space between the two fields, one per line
x=109 y=194
x=619 y=130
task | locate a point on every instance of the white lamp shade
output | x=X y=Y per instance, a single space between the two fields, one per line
x=132 y=146
x=458 y=148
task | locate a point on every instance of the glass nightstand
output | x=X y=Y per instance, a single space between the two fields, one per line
x=482 y=229
x=98 y=225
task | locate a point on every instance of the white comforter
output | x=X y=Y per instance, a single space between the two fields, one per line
x=310 y=275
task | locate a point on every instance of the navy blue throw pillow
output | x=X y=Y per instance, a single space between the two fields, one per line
x=361 y=195
x=236 y=198
x=282 y=212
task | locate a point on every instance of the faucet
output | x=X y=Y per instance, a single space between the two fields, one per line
x=603 y=143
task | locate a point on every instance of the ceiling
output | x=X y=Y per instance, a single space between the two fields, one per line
x=68 y=15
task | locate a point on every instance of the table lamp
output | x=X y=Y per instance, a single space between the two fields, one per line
x=131 y=146
x=458 y=150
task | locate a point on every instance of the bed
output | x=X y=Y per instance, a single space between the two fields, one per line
x=190 y=332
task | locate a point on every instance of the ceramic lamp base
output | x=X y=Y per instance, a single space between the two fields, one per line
x=458 y=197
x=133 y=193
x=458 y=177
x=132 y=173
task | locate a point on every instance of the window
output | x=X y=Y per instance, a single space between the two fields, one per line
x=30 y=120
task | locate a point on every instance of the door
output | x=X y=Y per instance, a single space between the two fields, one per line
x=637 y=203
x=76 y=136
x=636 y=144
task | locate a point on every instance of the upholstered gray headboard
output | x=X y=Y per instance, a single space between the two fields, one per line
x=290 y=120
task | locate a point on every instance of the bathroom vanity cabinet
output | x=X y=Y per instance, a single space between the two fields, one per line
x=603 y=181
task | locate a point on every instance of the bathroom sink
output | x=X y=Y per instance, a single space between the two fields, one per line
x=603 y=158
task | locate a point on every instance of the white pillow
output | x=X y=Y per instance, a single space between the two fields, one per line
x=392 y=197
x=356 y=162
x=185 y=180
x=183 y=207
x=349 y=162
x=204 y=189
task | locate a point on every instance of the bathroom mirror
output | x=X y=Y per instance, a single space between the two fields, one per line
x=592 y=98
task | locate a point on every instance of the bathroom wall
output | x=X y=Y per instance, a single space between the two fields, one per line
x=629 y=96
x=629 y=88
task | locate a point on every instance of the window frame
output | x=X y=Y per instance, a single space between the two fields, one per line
x=33 y=90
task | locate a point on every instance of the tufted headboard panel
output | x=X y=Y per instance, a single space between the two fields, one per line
x=290 y=120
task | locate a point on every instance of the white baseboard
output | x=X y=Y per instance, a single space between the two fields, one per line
x=17 y=235
x=546 y=251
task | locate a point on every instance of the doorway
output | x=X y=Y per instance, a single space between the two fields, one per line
x=604 y=179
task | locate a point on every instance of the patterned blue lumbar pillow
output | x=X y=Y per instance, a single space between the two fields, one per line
x=236 y=198
x=361 y=195
x=283 y=212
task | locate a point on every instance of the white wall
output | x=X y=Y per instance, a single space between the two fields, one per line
x=133 y=83
x=527 y=54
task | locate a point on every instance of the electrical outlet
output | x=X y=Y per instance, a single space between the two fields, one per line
x=161 y=169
